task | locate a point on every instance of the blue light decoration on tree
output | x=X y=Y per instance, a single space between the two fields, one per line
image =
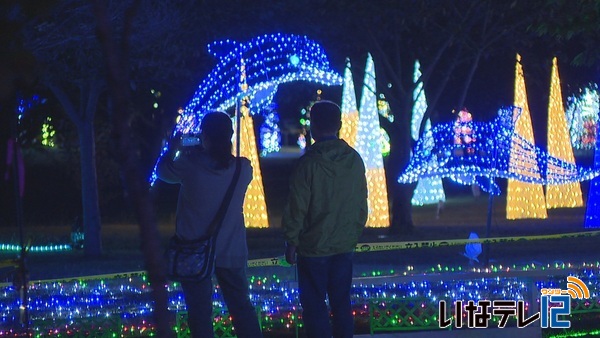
x=270 y=134
x=26 y=104
x=429 y=190
x=479 y=162
x=592 y=211
x=270 y=60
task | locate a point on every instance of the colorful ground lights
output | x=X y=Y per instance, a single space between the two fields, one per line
x=121 y=304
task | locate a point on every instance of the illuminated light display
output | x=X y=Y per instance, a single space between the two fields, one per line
x=122 y=306
x=48 y=133
x=4 y=247
x=524 y=199
x=419 y=105
x=429 y=190
x=255 y=209
x=368 y=145
x=385 y=142
x=489 y=157
x=301 y=141
x=349 y=108
x=270 y=133
x=305 y=123
x=582 y=117
x=270 y=60
x=383 y=107
x=568 y=194
x=592 y=212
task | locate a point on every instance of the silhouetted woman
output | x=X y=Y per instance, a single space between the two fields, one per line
x=204 y=175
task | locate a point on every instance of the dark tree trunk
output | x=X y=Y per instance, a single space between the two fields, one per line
x=400 y=194
x=89 y=189
x=138 y=187
x=84 y=123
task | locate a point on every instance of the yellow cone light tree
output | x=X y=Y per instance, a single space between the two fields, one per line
x=524 y=199
x=255 y=208
x=559 y=146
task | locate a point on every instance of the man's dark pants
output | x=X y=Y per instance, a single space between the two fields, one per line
x=319 y=277
x=234 y=286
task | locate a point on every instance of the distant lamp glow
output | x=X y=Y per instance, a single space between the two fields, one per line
x=524 y=199
x=368 y=145
x=567 y=194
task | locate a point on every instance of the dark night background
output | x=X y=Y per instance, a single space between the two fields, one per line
x=53 y=45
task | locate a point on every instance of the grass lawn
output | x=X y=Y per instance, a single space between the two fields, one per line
x=461 y=215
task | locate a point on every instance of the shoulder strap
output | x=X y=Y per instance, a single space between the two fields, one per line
x=215 y=225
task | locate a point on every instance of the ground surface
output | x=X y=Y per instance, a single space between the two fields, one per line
x=461 y=216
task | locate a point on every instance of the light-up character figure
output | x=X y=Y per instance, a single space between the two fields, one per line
x=463 y=133
x=463 y=137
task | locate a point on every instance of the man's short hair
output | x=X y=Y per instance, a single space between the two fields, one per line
x=326 y=116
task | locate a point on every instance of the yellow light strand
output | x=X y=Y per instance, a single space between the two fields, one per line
x=255 y=208
x=524 y=200
x=379 y=215
x=569 y=194
x=349 y=109
x=349 y=127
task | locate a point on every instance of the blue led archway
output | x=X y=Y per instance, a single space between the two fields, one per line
x=268 y=61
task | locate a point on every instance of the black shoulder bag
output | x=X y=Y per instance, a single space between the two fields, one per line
x=194 y=260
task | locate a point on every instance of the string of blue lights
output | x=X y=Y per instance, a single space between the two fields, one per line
x=489 y=157
x=269 y=61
